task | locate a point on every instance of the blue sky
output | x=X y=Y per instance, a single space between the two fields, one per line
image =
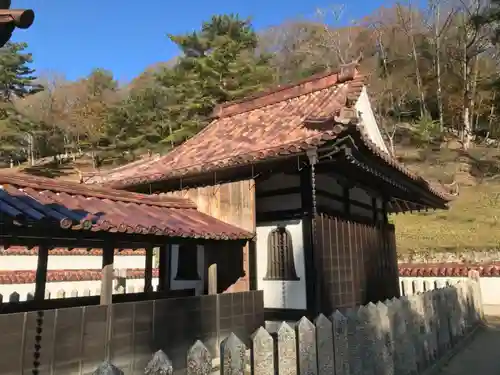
x=71 y=37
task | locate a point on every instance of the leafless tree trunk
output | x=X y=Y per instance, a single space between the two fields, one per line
x=390 y=134
x=408 y=27
x=467 y=102
x=473 y=106
x=439 y=90
x=492 y=113
x=439 y=29
x=474 y=42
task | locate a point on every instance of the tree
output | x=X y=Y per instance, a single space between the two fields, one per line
x=17 y=81
x=48 y=110
x=470 y=43
x=137 y=122
x=219 y=63
x=91 y=100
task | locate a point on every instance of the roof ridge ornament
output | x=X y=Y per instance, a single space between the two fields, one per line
x=348 y=71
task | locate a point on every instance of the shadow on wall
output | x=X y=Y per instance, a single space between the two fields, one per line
x=229 y=258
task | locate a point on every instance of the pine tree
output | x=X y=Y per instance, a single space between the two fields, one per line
x=18 y=134
x=219 y=63
x=16 y=77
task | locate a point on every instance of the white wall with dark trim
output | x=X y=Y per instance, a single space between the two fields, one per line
x=282 y=294
x=68 y=262
x=64 y=289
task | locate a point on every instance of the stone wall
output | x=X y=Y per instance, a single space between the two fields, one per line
x=466 y=257
x=398 y=337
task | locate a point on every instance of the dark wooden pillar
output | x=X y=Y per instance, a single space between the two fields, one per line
x=108 y=254
x=314 y=277
x=148 y=270
x=41 y=272
x=164 y=268
x=252 y=263
x=392 y=278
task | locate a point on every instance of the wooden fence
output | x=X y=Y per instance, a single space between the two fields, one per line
x=396 y=337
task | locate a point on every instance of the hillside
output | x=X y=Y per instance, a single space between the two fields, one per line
x=469 y=224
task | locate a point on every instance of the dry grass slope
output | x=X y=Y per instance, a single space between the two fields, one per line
x=472 y=222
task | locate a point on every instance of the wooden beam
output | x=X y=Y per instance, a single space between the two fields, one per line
x=108 y=254
x=41 y=272
x=30 y=236
x=164 y=268
x=148 y=270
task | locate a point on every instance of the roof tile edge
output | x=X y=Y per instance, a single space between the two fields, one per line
x=345 y=73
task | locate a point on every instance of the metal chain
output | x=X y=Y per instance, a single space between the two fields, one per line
x=281 y=245
x=313 y=227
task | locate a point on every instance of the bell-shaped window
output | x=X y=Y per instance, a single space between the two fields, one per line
x=280 y=263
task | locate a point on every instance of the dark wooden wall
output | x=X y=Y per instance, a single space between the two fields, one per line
x=278 y=198
x=356 y=260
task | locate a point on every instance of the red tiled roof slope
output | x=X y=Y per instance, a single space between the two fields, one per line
x=284 y=121
x=21 y=250
x=260 y=127
x=30 y=200
x=28 y=277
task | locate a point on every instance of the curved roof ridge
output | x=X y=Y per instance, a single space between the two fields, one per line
x=320 y=81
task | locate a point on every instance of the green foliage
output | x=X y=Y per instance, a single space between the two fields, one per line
x=219 y=63
x=17 y=80
x=16 y=77
x=226 y=60
x=427 y=130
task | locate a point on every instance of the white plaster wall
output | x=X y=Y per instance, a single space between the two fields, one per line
x=282 y=294
x=62 y=289
x=413 y=285
x=68 y=262
x=198 y=285
x=363 y=106
x=490 y=286
x=490 y=290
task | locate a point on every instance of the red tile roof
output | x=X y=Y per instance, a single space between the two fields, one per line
x=28 y=277
x=30 y=200
x=285 y=121
x=448 y=270
x=260 y=127
x=21 y=250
